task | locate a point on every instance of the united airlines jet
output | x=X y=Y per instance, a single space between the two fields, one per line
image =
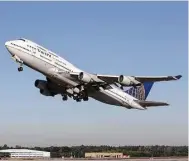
x=65 y=79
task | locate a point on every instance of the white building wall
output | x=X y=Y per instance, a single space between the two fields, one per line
x=46 y=154
x=25 y=153
x=103 y=155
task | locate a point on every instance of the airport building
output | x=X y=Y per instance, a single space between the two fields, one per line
x=104 y=155
x=26 y=153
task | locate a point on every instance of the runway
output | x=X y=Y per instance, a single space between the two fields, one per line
x=130 y=159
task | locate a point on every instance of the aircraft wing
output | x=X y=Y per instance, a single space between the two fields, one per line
x=157 y=79
x=151 y=103
x=108 y=78
x=96 y=79
x=135 y=80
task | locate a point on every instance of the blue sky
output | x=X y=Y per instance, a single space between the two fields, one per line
x=130 y=38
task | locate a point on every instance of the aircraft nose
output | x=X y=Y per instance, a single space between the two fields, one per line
x=8 y=47
x=7 y=43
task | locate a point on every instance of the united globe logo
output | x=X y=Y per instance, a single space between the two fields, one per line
x=137 y=92
x=140 y=92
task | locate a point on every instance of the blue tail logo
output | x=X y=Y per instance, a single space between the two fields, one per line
x=140 y=92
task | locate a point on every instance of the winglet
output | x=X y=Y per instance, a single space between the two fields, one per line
x=178 y=76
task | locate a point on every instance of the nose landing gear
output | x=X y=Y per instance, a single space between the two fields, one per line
x=18 y=60
x=20 y=69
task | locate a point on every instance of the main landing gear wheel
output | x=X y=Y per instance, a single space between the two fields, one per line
x=74 y=97
x=78 y=100
x=20 y=69
x=85 y=98
x=65 y=98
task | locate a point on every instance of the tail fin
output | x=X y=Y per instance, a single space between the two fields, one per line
x=140 y=92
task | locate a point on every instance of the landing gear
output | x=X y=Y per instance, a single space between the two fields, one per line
x=85 y=98
x=64 y=97
x=81 y=96
x=84 y=95
x=78 y=93
x=18 y=60
x=75 y=96
x=78 y=100
x=20 y=69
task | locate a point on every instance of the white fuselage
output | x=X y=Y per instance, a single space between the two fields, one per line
x=48 y=63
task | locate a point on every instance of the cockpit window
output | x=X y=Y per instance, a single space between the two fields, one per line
x=22 y=39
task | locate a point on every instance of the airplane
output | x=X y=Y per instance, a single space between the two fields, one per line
x=65 y=79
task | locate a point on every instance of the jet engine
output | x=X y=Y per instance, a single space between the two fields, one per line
x=46 y=92
x=128 y=81
x=84 y=77
x=41 y=84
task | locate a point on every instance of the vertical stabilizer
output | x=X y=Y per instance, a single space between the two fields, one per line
x=147 y=88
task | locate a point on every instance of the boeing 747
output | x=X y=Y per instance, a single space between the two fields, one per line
x=65 y=79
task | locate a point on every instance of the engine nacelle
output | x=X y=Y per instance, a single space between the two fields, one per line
x=84 y=77
x=46 y=92
x=127 y=81
x=41 y=84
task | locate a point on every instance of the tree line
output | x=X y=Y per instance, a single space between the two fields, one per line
x=133 y=151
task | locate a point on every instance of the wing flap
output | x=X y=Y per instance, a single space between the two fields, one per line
x=151 y=103
x=108 y=78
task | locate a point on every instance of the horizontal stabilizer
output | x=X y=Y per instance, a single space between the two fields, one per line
x=151 y=103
